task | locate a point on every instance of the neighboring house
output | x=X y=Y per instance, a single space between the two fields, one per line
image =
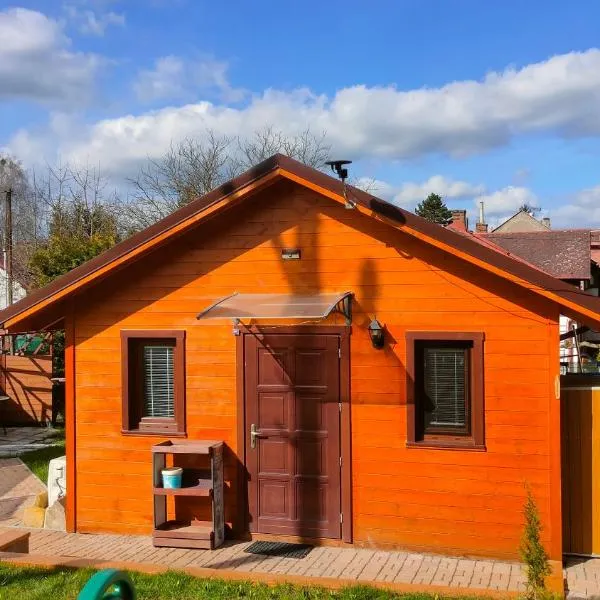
x=423 y=434
x=522 y=221
x=568 y=254
x=19 y=291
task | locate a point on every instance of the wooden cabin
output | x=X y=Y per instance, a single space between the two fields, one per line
x=358 y=362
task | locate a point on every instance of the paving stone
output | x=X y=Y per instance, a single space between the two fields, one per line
x=391 y=569
x=357 y=564
x=319 y=566
x=343 y=563
x=342 y=560
x=374 y=566
x=304 y=564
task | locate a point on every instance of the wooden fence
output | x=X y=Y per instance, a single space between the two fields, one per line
x=26 y=380
x=580 y=418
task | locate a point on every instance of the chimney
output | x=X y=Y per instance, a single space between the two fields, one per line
x=546 y=222
x=481 y=225
x=459 y=220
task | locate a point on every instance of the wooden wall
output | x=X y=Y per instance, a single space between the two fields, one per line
x=26 y=380
x=457 y=501
x=580 y=403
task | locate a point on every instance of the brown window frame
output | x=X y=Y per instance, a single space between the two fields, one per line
x=474 y=435
x=132 y=421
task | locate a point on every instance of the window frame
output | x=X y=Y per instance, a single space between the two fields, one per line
x=132 y=421
x=416 y=436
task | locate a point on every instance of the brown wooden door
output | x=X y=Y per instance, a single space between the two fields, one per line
x=292 y=387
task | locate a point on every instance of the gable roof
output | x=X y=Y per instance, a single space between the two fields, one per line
x=520 y=221
x=575 y=303
x=563 y=253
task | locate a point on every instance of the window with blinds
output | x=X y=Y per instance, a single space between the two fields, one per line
x=153 y=377
x=444 y=386
x=159 y=381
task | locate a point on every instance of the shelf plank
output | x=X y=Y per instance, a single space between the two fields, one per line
x=198 y=530
x=203 y=487
x=187 y=447
x=173 y=542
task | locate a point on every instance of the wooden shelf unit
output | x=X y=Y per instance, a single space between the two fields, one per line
x=207 y=483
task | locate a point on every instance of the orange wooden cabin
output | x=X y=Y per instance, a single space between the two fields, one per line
x=426 y=443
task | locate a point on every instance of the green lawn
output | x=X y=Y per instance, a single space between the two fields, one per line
x=37 y=460
x=64 y=584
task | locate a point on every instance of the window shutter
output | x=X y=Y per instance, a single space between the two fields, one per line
x=445 y=375
x=159 y=392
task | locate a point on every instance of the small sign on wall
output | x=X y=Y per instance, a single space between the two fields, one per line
x=290 y=254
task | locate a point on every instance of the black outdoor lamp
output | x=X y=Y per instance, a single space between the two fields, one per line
x=377 y=334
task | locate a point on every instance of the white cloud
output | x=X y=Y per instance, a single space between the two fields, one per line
x=581 y=210
x=558 y=96
x=507 y=200
x=36 y=62
x=176 y=78
x=91 y=23
x=411 y=193
x=503 y=203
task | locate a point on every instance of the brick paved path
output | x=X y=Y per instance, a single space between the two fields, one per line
x=583 y=577
x=359 y=564
x=18 y=440
x=18 y=488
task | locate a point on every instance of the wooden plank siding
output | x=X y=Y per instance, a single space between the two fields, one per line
x=456 y=501
x=26 y=381
x=581 y=463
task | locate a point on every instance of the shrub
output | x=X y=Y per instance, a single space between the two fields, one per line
x=533 y=554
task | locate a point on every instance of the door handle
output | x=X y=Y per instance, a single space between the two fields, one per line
x=254 y=433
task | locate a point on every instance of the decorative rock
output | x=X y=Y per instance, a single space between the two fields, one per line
x=57 y=483
x=55 y=516
x=34 y=516
x=41 y=500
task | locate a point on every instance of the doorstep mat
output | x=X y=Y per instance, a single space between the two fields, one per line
x=281 y=549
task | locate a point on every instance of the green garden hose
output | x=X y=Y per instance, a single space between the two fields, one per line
x=110 y=584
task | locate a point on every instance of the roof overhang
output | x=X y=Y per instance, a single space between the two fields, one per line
x=268 y=307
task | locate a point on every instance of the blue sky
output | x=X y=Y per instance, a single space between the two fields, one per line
x=497 y=101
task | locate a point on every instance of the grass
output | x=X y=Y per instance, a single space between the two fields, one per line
x=37 y=460
x=27 y=583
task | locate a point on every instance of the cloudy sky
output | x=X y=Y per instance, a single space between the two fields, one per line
x=473 y=100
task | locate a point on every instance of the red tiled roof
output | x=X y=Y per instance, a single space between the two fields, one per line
x=563 y=253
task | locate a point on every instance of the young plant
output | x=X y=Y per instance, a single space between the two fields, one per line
x=533 y=554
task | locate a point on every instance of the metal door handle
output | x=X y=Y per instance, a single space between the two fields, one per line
x=254 y=433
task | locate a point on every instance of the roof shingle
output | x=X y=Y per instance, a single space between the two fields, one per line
x=565 y=254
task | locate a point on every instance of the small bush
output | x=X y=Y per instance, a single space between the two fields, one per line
x=533 y=553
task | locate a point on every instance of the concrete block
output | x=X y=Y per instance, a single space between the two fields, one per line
x=57 y=482
x=55 y=516
x=41 y=500
x=33 y=516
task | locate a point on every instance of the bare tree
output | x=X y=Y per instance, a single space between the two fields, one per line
x=27 y=216
x=70 y=198
x=194 y=167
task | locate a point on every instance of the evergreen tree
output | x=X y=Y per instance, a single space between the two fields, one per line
x=537 y=565
x=434 y=209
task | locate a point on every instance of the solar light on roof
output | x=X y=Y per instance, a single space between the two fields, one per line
x=338 y=167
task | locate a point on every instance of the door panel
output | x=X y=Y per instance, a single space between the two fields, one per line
x=292 y=395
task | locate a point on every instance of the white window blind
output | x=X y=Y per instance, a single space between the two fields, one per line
x=159 y=392
x=445 y=390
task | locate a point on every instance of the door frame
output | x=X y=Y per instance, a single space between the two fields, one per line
x=344 y=333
